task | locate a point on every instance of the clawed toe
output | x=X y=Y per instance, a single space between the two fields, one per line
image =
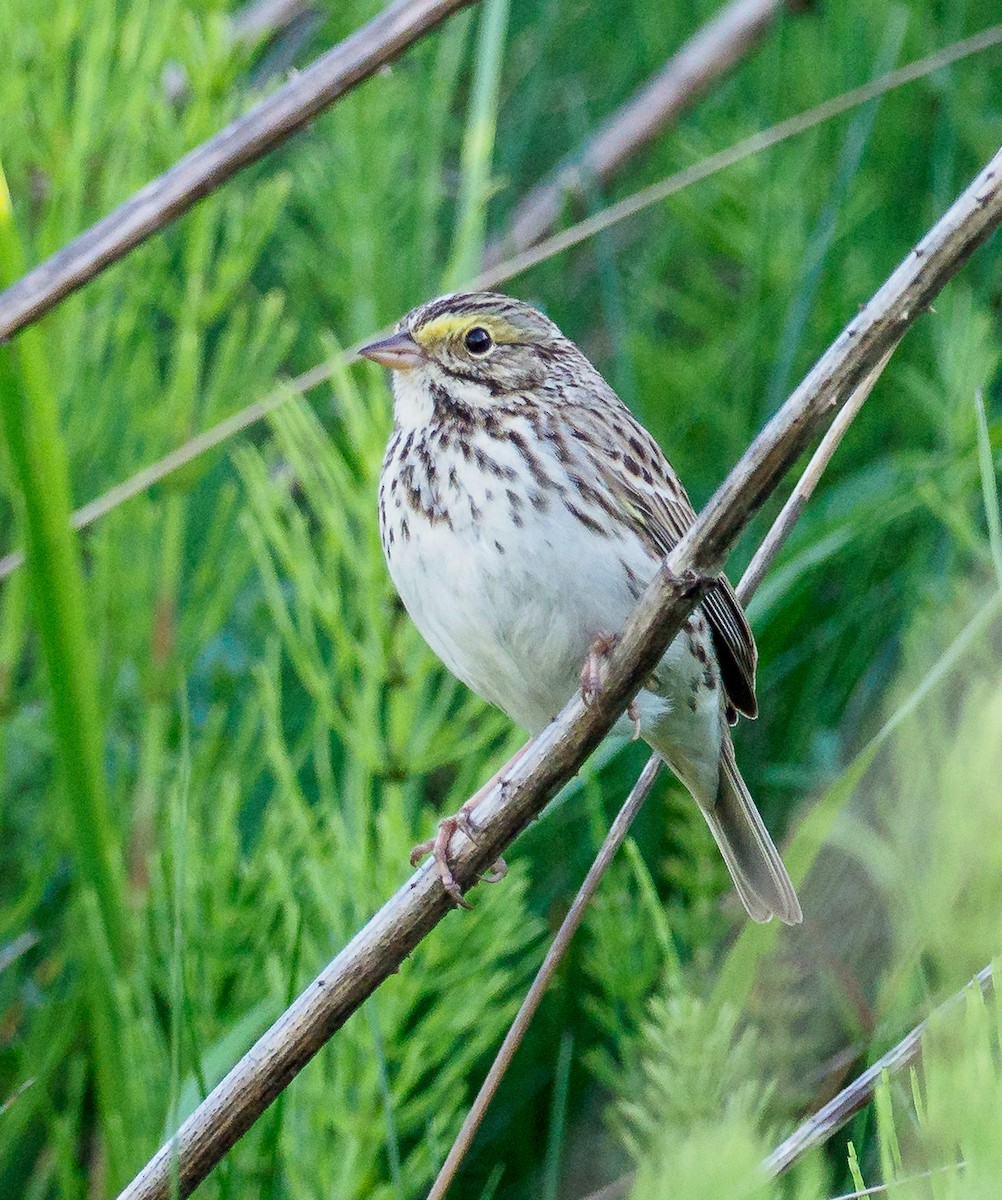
x=465 y=823
x=633 y=712
x=440 y=852
x=438 y=848
x=422 y=850
x=593 y=677
x=593 y=671
x=451 y=886
x=497 y=872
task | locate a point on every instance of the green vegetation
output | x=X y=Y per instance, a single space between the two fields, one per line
x=220 y=734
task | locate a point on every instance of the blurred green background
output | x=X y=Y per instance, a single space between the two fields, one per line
x=252 y=733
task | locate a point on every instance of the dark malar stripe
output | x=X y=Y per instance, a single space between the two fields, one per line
x=449 y=410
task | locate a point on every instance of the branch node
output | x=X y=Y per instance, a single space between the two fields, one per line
x=688 y=583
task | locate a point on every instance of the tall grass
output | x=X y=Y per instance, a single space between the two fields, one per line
x=253 y=732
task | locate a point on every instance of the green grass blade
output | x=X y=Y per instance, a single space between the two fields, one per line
x=737 y=973
x=478 y=146
x=38 y=458
x=989 y=487
x=558 y=1118
x=850 y=158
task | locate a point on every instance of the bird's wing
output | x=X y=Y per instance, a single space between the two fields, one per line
x=635 y=471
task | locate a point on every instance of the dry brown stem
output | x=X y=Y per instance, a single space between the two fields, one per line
x=772 y=543
x=687 y=75
x=548 y=968
x=230 y=426
x=555 y=755
x=819 y=1127
x=780 y=529
x=714 y=163
x=205 y=168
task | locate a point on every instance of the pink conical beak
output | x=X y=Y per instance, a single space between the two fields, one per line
x=399 y=352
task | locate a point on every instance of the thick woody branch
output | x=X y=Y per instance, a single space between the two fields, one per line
x=687 y=76
x=208 y=166
x=753 y=576
x=557 y=753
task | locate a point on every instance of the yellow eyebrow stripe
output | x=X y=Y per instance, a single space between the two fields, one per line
x=452 y=325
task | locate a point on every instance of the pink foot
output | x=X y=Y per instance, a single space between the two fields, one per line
x=633 y=712
x=438 y=846
x=593 y=671
x=593 y=677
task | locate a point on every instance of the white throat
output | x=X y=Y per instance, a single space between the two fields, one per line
x=413 y=406
x=414 y=401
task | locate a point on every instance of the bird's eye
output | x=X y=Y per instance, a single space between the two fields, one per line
x=478 y=341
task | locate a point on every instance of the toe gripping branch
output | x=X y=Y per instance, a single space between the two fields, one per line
x=594 y=670
x=689 y=583
x=593 y=677
x=439 y=846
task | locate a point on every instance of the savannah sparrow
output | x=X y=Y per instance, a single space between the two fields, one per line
x=522 y=511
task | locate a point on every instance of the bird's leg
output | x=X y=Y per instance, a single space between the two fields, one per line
x=593 y=677
x=633 y=712
x=438 y=846
x=593 y=670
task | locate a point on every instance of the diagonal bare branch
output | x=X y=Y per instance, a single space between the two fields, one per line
x=819 y=1127
x=771 y=545
x=804 y=489
x=552 y=758
x=209 y=165
x=709 y=53
x=558 y=947
x=235 y=423
x=630 y=205
x=881 y=1189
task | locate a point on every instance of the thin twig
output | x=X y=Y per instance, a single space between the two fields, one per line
x=709 y=53
x=194 y=448
x=840 y=1109
x=621 y=1186
x=209 y=165
x=613 y=840
x=829 y=1119
x=557 y=752
x=790 y=512
x=646 y=197
x=764 y=556
x=215 y=436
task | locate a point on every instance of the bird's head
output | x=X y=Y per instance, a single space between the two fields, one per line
x=478 y=347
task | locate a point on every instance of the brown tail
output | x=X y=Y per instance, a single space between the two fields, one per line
x=753 y=861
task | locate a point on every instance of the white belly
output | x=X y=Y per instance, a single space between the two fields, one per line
x=512 y=611
x=511 y=596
